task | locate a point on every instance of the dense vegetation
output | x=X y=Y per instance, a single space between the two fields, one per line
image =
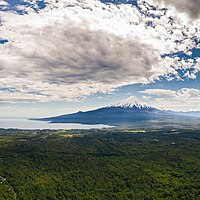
x=99 y=164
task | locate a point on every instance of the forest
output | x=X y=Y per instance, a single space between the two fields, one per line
x=99 y=164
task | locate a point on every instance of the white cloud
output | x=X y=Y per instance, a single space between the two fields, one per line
x=190 y=7
x=185 y=99
x=3 y=3
x=75 y=48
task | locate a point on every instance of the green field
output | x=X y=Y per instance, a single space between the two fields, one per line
x=100 y=164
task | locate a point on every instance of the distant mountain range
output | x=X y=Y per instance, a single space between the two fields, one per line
x=129 y=111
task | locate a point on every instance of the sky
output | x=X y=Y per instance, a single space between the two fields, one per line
x=63 y=56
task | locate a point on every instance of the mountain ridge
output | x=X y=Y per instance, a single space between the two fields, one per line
x=127 y=112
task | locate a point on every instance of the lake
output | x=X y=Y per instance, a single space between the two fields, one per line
x=22 y=123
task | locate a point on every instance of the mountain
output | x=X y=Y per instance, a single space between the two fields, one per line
x=131 y=102
x=123 y=112
x=190 y=114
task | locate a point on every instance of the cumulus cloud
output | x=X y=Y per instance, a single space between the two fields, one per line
x=25 y=91
x=73 y=48
x=70 y=54
x=3 y=3
x=185 y=99
x=191 y=7
x=64 y=61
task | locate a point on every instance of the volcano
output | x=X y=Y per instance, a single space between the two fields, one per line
x=123 y=112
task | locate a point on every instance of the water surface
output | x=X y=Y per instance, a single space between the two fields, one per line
x=22 y=123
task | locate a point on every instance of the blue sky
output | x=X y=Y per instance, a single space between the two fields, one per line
x=62 y=57
x=19 y=6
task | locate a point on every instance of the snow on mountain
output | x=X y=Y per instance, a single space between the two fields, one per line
x=130 y=103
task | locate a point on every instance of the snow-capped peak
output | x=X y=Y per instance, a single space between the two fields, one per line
x=130 y=103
